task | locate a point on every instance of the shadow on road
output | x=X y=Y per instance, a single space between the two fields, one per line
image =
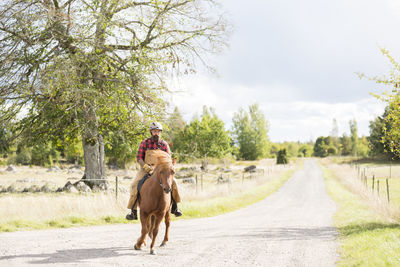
x=74 y=255
x=289 y=234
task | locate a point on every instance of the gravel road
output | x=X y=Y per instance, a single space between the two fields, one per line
x=292 y=227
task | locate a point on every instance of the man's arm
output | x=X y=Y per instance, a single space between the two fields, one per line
x=141 y=153
x=141 y=162
x=140 y=158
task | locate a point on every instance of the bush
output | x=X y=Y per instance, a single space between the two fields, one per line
x=305 y=151
x=45 y=154
x=3 y=161
x=332 y=151
x=74 y=152
x=12 y=159
x=40 y=155
x=282 y=157
x=24 y=156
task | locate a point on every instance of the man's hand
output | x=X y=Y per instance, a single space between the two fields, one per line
x=147 y=168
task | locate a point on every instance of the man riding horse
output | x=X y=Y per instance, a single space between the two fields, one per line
x=146 y=161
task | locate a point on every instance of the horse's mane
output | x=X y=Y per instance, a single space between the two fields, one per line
x=162 y=157
x=163 y=161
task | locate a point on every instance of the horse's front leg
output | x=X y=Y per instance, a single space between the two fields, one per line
x=167 y=223
x=158 y=219
x=151 y=226
x=144 y=221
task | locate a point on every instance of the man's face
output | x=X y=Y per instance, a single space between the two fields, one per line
x=155 y=133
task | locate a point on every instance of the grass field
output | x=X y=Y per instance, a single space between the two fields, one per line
x=369 y=228
x=50 y=210
x=380 y=170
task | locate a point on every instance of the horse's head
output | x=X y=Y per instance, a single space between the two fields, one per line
x=165 y=174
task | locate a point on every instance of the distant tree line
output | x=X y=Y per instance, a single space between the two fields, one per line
x=205 y=136
x=344 y=145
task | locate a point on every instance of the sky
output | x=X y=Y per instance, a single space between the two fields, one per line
x=299 y=61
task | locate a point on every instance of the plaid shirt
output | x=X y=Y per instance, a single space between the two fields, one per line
x=149 y=144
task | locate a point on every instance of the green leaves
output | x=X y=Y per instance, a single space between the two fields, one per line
x=79 y=69
x=390 y=125
x=250 y=130
x=205 y=137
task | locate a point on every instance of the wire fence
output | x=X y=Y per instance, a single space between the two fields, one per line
x=199 y=181
x=379 y=185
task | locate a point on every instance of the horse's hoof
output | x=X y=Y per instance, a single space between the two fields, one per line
x=137 y=248
x=152 y=252
x=163 y=244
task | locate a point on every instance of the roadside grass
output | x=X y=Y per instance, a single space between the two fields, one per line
x=50 y=210
x=219 y=205
x=367 y=237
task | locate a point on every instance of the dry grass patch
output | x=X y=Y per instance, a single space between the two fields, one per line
x=348 y=176
x=369 y=231
x=47 y=210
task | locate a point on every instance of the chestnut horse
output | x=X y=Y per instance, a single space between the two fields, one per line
x=155 y=200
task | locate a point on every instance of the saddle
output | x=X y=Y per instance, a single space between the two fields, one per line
x=141 y=182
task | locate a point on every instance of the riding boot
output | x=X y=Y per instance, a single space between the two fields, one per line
x=132 y=215
x=175 y=210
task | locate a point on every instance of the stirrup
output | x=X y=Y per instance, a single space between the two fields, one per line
x=177 y=213
x=132 y=216
x=175 y=210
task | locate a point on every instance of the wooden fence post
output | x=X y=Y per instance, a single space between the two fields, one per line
x=201 y=182
x=387 y=189
x=116 y=187
x=365 y=180
x=377 y=186
x=373 y=183
x=196 y=184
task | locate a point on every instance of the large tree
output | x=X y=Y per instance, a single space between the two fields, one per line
x=4 y=136
x=354 y=137
x=379 y=145
x=175 y=125
x=205 y=137
x=86 y=68
x=250 y=130
x=322 y=145
x=345 y=145
x=391 y=121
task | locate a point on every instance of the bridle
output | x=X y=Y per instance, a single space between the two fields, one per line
x=165 y=189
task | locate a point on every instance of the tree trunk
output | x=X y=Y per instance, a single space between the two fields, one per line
x=93 y=153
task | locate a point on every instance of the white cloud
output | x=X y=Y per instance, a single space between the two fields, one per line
x=289 y=120
x=298 y=61
x=307 y=120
